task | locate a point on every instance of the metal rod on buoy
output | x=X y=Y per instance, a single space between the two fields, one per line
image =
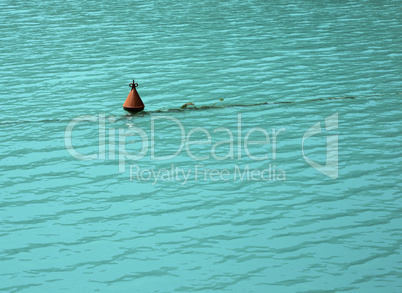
x=133 y=102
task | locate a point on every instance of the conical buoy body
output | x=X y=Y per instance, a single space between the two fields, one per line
x=133 y=102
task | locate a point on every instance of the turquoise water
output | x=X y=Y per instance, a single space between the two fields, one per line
x=290 y=182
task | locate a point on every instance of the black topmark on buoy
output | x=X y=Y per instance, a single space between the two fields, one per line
x=133 y=102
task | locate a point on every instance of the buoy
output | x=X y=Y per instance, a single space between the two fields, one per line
x=133 y=102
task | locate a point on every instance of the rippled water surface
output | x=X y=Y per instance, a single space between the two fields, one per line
x=283 y=177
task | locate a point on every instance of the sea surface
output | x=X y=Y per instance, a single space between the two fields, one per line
x=284 y=176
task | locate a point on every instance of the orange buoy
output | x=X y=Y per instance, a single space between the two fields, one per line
x=133 y=102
